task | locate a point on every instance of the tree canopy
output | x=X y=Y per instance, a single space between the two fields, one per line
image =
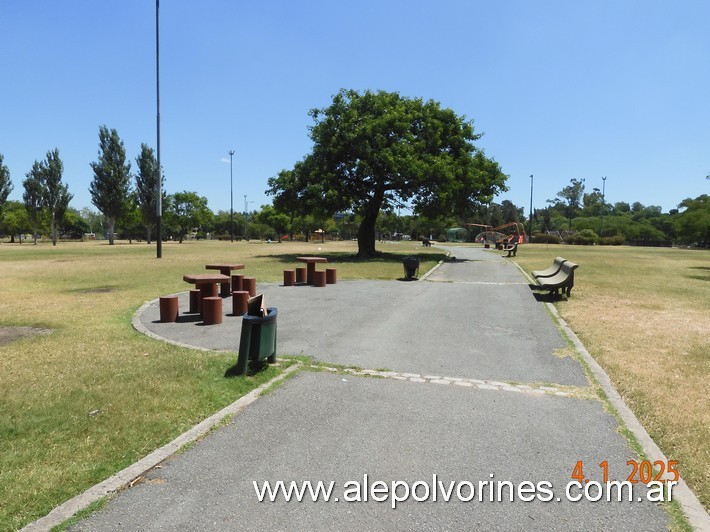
x=146 y=190
x=110 y=188
x=5 y=184
x=376 y=151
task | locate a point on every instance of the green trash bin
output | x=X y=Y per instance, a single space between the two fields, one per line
x=411 y=267
x=258 y=339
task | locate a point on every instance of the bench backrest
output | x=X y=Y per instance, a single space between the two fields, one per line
x=568 y=268
x=552 y=270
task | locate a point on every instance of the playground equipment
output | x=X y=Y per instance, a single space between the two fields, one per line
x=497 y=235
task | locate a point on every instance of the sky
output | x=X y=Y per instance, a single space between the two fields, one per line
x=560 y=90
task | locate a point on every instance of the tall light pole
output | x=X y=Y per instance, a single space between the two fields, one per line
x=159 y=184
x=531 y=214
x=601 y=223
x=231 y=197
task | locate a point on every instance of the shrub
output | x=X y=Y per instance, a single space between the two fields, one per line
x=611 y=240
x=544 y=238
x=586 y=237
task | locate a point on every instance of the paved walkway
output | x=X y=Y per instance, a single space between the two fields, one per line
x=472 y=385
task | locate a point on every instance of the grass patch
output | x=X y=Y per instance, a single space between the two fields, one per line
x=94 y=396
x=642 y=313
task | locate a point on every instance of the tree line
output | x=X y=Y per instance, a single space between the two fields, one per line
x=374 y=154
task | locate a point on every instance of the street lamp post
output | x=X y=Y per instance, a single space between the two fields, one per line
x=231 y=197
x=159 y=183
x=531 y=212
x=601 y=223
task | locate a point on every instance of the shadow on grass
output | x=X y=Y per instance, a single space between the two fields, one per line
x=700 y=276
x=350 y=258
x=547 y=297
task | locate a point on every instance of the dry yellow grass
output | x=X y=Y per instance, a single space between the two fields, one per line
x=644 y=314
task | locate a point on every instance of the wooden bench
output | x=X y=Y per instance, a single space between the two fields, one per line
x=511 y=249
x=552 y=270
x=564 y=279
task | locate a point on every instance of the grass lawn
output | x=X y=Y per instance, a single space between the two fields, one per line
x=644 y=315
x=93 y=395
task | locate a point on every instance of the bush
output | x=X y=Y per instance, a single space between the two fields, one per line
x=544 y=238
x=611 y=240
x=586 y=237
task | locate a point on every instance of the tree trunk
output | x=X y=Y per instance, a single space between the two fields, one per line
x=366 y=234
x=148 y=231
x=111 y=222
x=54 y=231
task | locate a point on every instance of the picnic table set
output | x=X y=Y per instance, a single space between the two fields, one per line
x=206 y=298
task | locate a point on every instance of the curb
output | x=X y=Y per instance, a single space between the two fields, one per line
x=694 y=511
x=123 y=478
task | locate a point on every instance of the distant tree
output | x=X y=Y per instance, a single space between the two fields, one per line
x=693 y=221
x=55 y=194
x=278 y=221
x=5 y=185
x=188 y=211
x=378 y=150
x=511 y=212
x=95 y=221
x=146 y=181
x=111 y=186
x=15 y=220
x=32 y=197
x=572 y=196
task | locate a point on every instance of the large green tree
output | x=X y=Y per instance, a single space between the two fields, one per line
x=376 y=151
x=5 y=184
x=146 y=192
x=111 y=187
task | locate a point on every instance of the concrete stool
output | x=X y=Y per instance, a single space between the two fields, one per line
x=289 y=277
x=194 y=300
x=168 y=309
x=300 y=275
x=249 y=285
x=319 y=278
x=331 y=276
x=212 y=310
x=237 y=281
x=239 y=302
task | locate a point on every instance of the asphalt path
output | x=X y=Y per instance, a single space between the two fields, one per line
x=476 y=391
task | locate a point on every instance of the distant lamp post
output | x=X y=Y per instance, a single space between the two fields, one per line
x=601 y=223
x=531 y=212
x=231 y=196
x=246 y=216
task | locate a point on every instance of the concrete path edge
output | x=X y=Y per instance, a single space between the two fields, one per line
x=698 y=518
x=123 y=478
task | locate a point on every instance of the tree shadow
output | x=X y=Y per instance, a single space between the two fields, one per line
x=340 y=257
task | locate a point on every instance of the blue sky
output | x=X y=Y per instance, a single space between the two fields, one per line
x=560 y=89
